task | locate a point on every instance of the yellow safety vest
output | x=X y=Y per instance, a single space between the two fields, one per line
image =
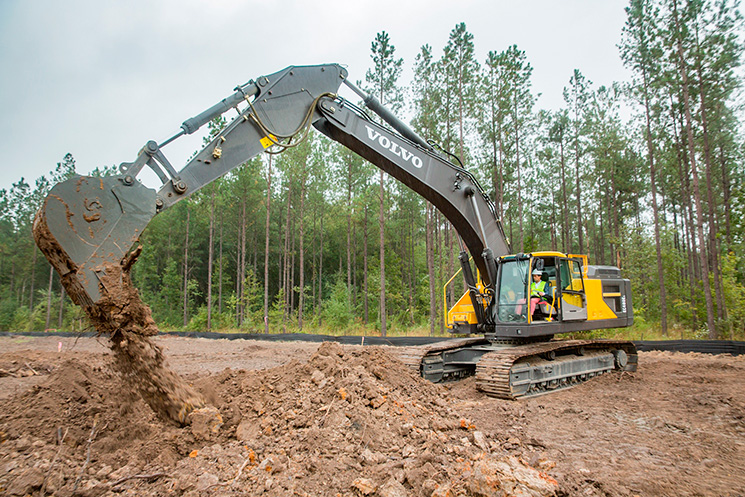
x=537 y=287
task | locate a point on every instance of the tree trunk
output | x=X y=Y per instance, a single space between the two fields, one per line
x=286 y=259
x=242 y=267
x=519 y=182
x=440 y=264
x=320 y=265
x=450 y=263
x=292 y=272
x=349 y=226
x=430 y=249
x=412 y=270
x=713 y=244
x=382 y=256
x=33 y=277
x=726 y=194
x=61 y=306
x=658 y=245
x=314 y=264
x=565 y=201
x=301 y=270
x=366 y=305
x=616 y=227
x=266 y=245
x=186 y=269
x=600 y=244
x=219 y=277
x=49 y=299
x=686 y=217
x=210 y=257
x=501 y=176
x=354 y=266
x=696 y=189
x=579 y=205
x=13 y=282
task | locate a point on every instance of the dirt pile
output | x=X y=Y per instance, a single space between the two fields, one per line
x=351 y=421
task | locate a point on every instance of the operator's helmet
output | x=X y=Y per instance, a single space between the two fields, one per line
x=537 y=272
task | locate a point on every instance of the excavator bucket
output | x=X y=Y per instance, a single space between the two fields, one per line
x=87 y=224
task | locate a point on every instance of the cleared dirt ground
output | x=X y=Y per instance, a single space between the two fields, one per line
x=294 y=418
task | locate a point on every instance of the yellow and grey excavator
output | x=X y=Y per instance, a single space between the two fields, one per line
x=88 y=226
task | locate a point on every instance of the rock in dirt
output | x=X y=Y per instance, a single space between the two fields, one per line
x=480 y=441
x=247 y=429
x=205 y=423
x=28 y=481
x=364 y=485
x=206 y=481
x=392 y=488
x=509 y=476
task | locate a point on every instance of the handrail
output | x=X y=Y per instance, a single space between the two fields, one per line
x=445 y=293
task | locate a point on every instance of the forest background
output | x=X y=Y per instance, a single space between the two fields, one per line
x=642 y=174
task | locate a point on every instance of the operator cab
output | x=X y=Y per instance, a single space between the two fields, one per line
x=561 y=282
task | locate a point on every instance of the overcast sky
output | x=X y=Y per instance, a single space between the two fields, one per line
x=99 y=78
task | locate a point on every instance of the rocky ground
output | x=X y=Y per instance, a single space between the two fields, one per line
x=296 y=418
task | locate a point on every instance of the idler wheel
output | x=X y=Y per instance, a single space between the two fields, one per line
x=621 y=358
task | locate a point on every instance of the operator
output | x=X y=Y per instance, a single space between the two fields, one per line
x=538 y=292
x=538 y=287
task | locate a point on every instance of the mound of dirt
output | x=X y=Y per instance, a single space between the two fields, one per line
x=351 y=421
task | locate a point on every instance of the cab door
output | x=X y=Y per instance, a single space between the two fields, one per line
x=571 y=290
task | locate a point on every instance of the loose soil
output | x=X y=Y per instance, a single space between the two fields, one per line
x=296 y=418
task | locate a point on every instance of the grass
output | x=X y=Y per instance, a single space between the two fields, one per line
x=651 y=332
x=638 y=332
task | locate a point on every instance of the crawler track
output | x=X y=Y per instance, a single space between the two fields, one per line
x=528 y=369
x=536 y=369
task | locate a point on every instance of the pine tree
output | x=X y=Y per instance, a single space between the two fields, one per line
x=382 y=80
x=576 y=96
x=637 y=53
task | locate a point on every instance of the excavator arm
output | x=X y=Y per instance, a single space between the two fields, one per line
x=87 y=225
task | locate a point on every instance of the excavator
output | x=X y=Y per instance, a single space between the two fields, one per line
x=87 y=227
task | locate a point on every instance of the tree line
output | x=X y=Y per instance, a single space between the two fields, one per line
x=641 y=174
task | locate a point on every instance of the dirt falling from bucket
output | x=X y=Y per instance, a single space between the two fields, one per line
x=142 y=364
x=122 y=315
x=127 y=320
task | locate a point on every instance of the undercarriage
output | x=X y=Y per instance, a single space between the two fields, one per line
x=519 y=368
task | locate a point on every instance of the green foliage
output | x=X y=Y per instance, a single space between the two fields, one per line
x=734 y=293
x=220 y=321
x=336 y=310
x=21 y=320
x=7 y=310
x=385 y=72
x=252 y=302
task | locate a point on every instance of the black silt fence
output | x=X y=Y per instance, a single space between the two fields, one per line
x=701 y=346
